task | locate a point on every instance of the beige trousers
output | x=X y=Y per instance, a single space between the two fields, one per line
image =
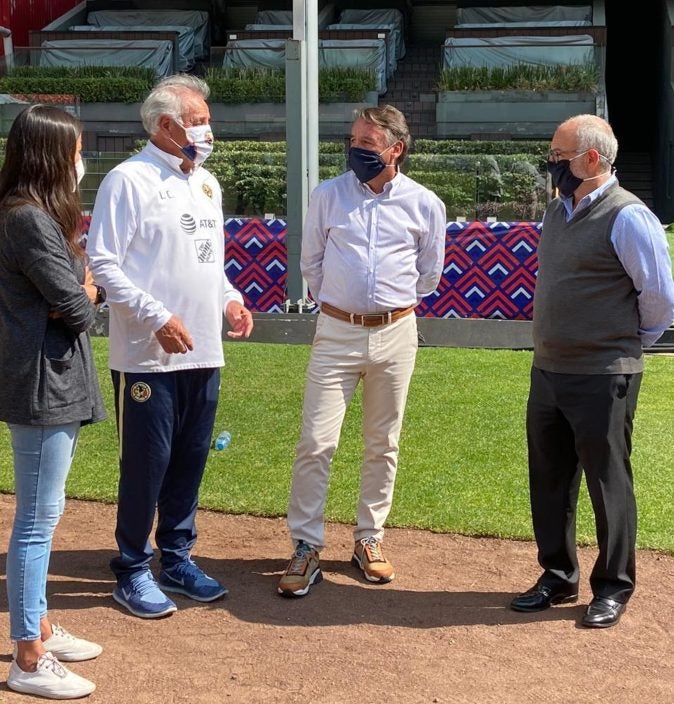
x=342 y=354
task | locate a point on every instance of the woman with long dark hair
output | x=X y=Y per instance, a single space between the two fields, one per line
x=48 y=384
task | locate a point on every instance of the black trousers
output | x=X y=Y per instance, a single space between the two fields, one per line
x=576 y=423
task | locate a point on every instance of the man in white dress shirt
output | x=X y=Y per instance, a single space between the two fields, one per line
x=373 y=247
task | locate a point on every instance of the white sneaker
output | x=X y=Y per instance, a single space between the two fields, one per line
x=67 y=648
x=51 y=680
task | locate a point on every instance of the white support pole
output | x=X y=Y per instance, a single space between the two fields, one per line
x=301 y=133
x=7 y=47
x=312 y=134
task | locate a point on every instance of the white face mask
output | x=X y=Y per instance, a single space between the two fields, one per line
x=79 y=170
x=201 y=143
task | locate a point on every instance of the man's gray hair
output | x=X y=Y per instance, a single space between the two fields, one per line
x=167 y=98
x=392 y=122
x=593 y=132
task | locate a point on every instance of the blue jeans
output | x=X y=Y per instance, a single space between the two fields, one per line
x=42 y=459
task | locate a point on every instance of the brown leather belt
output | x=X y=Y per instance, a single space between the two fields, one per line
x=367 y=320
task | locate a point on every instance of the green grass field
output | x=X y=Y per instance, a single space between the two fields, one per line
x=463 y=453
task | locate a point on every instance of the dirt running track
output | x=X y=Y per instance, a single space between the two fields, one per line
x=440 y=633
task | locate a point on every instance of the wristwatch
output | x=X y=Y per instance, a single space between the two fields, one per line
x=101 y=295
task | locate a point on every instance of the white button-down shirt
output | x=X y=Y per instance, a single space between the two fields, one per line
x=367 y=252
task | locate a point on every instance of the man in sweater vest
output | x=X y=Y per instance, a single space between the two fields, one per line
x=604 y=292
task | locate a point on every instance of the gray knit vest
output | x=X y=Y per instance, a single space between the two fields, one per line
x=586 y=318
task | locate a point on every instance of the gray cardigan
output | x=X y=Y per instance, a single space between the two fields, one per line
x=47 y=373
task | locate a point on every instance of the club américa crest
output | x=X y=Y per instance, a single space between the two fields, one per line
x=140 y=392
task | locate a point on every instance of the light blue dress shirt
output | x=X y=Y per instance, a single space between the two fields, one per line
x=641 y=246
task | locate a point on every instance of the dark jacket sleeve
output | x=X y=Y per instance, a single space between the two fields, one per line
x=42 y=254
x=47 y=372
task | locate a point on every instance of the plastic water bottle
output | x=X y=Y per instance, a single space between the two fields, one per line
x=223 y=440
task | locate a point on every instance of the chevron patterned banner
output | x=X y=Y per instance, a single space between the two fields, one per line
x=489 y=270
x=256 y=261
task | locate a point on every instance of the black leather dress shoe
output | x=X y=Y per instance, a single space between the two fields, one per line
x=541 y=596
x=603 y=613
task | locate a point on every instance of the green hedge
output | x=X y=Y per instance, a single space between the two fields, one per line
x=474 y=178
x=466 y=195
x=345 y=85
x=572 y=77
x=104 y=84
x=456 y=190
x=93 y=84
x=508 y=183
x=510 y=186
x=471 y=162
x=242 y=158
x=471 y=146
x=254 y=188
x=234 y=86
x=260 y=147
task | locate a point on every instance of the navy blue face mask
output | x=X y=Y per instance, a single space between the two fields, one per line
x=365 y=163
x=563 y=178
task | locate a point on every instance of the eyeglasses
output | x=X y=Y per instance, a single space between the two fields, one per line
x=556 y=154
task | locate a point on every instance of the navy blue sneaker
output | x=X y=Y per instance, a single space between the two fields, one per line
x=140 y=594
x=189 y=579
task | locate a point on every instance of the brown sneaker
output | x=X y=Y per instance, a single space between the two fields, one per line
x=368 y=555
x=303 y=570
